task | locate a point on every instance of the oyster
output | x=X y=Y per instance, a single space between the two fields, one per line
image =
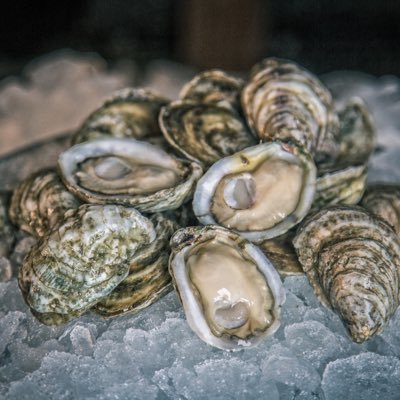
x=39 y=202
x=82 y=260
x=129 y=113
x=204 y=132
x=214 y=86
x=260 y=192
x=6 y=230
x=148 y=278
x=284 y=101
x=230 y=291
x=130 y=172
x=384 y=200
x=352 y=260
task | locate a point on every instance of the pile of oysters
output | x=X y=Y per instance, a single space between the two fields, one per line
x=221 y=194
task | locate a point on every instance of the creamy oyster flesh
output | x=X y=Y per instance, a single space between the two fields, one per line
x=260 y=199
x=235 y=297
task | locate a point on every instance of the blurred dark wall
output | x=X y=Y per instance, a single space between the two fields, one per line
x=321 y=34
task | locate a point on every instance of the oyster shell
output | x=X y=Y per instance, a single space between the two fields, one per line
x=383 y=199
x=129 y=113
x=204 y=132
x=130 y=172
x=148 y=278
x=7 y=237
x=39 y=202
x=82 y=260
x=260 y=192
x=352 y=260
x=230 y=291
x=284 y=101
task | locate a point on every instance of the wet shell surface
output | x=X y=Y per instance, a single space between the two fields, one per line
x=229 y=290
x=204 y=132
x=260 y=192
x=352 y=260
x=129 y=172
x=40 y=201
x=81 y=261
x=148 y=278
x=129 y=113
x=6 y=229
x=284 y=101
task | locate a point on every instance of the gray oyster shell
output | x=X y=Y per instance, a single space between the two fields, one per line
x=230 y=291
x=286 y=102
x=204 y=132
x=352 y=260
x=82 y=260
x=148 y=278
x=7 y=236
x=40 y=201
x=129 y=113
x=128 y=172
x=260 y=192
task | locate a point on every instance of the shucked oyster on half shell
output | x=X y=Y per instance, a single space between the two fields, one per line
x=129 y=172
x=260 y=192
x=229 y=290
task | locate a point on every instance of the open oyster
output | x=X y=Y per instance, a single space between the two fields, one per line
x=130 y=172
x=6 y=230
x=129 y=113
x=82 y=260
x=230 y=291
x=40 y=201
x=204 y=132
x=352 y=260
x=260 y=192
x=284 y=101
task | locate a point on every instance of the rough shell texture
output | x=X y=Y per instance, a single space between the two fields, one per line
x=40 y=201
x=148 y=278
x=129 y=113
x=260 y=192
x=284 y=101
x=204 y=132
x=129 y=172
x=82 y=261
x=352 y=260
x=218 y=306
x=6 y=229
x=384 y=200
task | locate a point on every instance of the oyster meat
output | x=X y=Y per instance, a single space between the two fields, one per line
x=229 y=290
x=352 y=260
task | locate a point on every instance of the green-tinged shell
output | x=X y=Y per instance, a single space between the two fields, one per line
x=148 y=278
x=129 y=113
x=215 y=87
x=40 y=201
x=230 y=291
x=82 y=260
x=204 y=132
x=352 y=260
x=6 y=229
x=383 y=199
x=281 y=252
x=286 y=102
x=260 y=192
x=128 y=172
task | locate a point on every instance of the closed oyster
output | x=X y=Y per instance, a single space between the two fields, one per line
x=284 y=101
x=214 y=86
x=129 y=172
x=82 y=260
x=230 y=291
x=204 y=132
x=383 y=199
x=129 y=113
x=352 y=260
x=39 y=202
x=148 y=278
x=260 y=192
x=6 y=230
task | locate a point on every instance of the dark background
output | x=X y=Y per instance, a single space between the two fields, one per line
x=323 y=35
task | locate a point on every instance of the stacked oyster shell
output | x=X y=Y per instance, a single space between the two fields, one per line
x=254 y=167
